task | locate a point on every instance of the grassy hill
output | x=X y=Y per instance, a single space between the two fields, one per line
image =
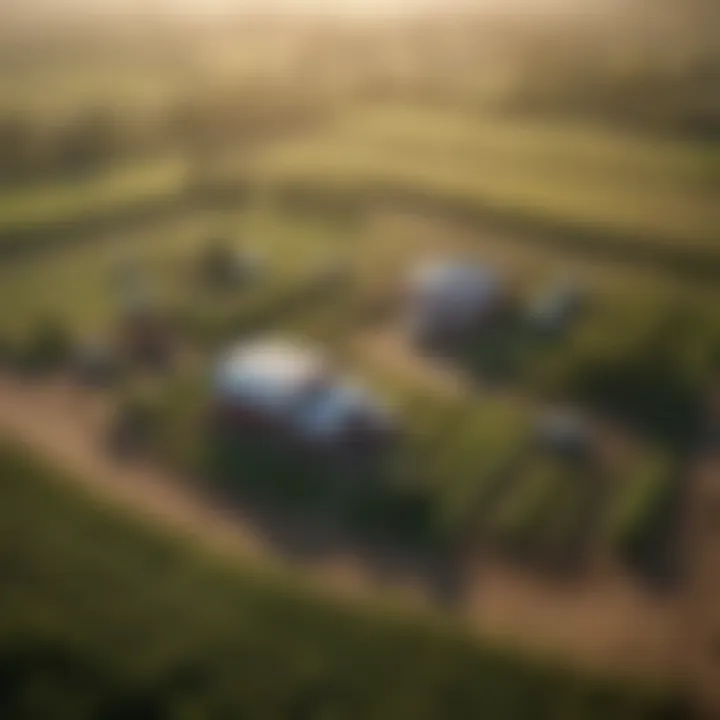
x=100 y=617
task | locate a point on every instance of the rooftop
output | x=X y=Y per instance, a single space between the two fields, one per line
x=456 y=275
x=270 y=365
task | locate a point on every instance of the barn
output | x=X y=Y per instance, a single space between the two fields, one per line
x=451 y=298
x=289 y=391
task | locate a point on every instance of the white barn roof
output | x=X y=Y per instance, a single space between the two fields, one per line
x=268 y=372
x=294 y=383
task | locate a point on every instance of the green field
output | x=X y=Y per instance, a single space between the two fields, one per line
x=551 y=173
x=61 y=204
x=612 y=190
x=101 y=617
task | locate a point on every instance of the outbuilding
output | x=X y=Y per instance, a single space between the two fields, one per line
x=287 y=390
x=451 y=298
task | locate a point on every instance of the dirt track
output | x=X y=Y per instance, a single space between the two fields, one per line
x=701 y=612
x=605 y=621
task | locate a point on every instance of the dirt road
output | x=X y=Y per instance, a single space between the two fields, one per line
x=601 y=622
x=700 y=644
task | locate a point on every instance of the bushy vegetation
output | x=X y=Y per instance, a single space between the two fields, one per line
x=650 y=363
x=101 y=618
x=46 y=346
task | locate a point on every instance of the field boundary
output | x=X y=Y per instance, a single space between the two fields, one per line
x=669 y=257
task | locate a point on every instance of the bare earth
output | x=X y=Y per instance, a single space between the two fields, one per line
x=604 y=621
x=701 y=613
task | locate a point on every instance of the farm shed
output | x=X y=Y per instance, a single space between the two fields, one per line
x=286 y=389
x=451 y=298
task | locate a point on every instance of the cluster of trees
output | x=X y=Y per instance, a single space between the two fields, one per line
x=46 y=345
x=652 y=363
x=101 y=618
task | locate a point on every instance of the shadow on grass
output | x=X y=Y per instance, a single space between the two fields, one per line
x=311 y=509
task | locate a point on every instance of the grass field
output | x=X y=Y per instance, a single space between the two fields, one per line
x=101 y=617
x=559 y=174
x=61 y=203
x=555 y=177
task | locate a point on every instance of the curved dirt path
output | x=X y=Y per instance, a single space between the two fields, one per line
x=700 y=644
x=604 y=622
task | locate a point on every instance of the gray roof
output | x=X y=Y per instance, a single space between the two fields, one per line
x=455 y=280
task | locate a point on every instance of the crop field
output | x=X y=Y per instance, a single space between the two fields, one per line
x=59 y=204
x=566 y=175
x=608 y=188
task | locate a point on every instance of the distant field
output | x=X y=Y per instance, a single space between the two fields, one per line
x=593 y=191
x=565 y=175
x=63 y=202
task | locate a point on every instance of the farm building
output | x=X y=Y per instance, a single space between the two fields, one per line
x=451 y=298
x=289 y=390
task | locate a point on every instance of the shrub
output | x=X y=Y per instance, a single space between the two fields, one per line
x=640 y=502
x=647 y=363
x=47 y=347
